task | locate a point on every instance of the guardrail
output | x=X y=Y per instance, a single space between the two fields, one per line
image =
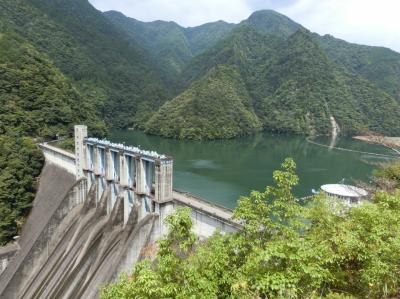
x=205 y=207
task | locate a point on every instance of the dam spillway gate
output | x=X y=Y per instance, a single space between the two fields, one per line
x=127 y=172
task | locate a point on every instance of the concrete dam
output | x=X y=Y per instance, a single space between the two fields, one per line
x=96 y=213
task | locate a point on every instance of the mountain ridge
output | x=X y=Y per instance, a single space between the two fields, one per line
x=173 y=44
x=132 y=68
x=91 y=51
x=380 y=65
x=296 y=87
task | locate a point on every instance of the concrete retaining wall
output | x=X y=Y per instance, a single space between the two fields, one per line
x=6 y=254
x=59 y=157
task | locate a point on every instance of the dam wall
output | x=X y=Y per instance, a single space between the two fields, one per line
x=6 y=253
x=97 y=212
x=54 y=186
x=59 y=157
x=144 y=177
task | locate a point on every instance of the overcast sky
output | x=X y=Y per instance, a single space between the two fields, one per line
x=371 y=22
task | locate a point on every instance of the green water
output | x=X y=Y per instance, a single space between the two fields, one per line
x=223 y=170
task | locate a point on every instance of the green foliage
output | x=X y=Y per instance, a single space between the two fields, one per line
x=284 y=250
x=20 y=165
x=296 y=80
x=108 y=68
x=310 y=89
x=296 y=88
x=379 y=65
x=218 y=106
x=165 y=41
x=171 y=45
x=387 y=176
x=126 y=69
x=272 y=22
x=35 y=98
x=206 y=36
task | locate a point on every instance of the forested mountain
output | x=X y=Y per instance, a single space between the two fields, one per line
x=36 y=100
x=308 y=89
x=379 y=65
x=298 y=82
x=101 y=60
x=127 y=69
x=272 y=22
x=376 y=64
x=216 y=106
x=170 y=44
x=294 y=86
x=206 y=36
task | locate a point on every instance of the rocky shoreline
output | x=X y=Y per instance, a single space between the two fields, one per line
x=384 y=140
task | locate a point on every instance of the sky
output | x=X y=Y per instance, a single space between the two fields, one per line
x=370 y=22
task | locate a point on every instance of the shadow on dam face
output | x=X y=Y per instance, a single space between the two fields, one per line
x=70 y=248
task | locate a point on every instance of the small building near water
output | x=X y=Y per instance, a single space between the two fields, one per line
x=351 y=195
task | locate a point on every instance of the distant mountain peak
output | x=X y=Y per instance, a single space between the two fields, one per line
x=266 y=12
x=113 y=12
x=272 y=22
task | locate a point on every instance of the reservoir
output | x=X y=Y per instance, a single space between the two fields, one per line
x=223 y=170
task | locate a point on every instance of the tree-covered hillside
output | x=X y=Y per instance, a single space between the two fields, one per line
x=379 y=65
x=308 y=88
x=36 y=100
x=207 y=35
x=171 y=45
x=216 y=106
x=294 y=86
x=20 y=165
x=130 y=68
x=103 y=62
x=272 y=22
x=165 y=41
x=298 y=82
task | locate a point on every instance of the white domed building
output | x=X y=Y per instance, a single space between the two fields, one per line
x=349 y=194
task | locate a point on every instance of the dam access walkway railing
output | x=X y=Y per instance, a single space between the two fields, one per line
x=202 y=205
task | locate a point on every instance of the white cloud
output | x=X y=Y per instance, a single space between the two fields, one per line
x=368 y=22
x=360 y=21
x=184 y=12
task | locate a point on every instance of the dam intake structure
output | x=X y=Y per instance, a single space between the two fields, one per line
x=96 y=213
